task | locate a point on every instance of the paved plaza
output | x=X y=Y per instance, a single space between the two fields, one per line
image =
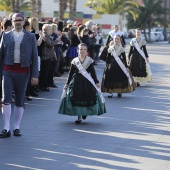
x=134 y=134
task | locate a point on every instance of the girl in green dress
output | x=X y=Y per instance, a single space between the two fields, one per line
x=83 y=96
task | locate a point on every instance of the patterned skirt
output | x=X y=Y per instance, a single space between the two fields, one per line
x=83 y=108
x=139 y=69
x=115 y=80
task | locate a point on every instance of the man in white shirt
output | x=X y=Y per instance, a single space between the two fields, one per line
x=116 y=31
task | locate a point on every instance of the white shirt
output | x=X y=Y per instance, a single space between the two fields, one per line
x=18 y=36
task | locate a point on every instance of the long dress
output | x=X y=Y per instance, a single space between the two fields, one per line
x=137 y=63
x=81 y=99
x=114 y=79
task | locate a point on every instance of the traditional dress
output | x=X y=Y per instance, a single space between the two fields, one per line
x=138 y=65
x=81 y=98
x=113 y=33
x=117 y=78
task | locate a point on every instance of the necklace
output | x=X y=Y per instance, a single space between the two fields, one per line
x=83 y=60
x=116 y=47
x=138 y=39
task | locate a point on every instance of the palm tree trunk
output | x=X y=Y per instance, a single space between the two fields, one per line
x=12 y=4
x=72 y=9
x=39 y=4
x=149 y=32
x=33 y=8
x=62 y=9
x=149 y=20
x=16 y=6
x=146 y=38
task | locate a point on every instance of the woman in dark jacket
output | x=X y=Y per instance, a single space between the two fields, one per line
x=47 y=52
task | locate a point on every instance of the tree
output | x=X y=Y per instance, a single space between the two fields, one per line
x=33 y=8
x=39 y=5
x=62 y=8
x=113 y=6
x=14 y=5
x=5 y=5
x=17 y=6
x=72 y=9
x=149 y=16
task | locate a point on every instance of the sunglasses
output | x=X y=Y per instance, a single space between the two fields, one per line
x=18 y=20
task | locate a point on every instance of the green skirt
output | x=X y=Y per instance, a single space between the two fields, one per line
x=66 y=108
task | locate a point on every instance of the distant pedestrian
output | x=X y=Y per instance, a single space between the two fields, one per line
x=112 y=33
x=139 y=59
x=117 y=77
x=116 y=31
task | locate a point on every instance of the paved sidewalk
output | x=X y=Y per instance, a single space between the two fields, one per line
x=134 y=134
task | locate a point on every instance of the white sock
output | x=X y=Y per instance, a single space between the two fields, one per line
x=18 y=112
x=6 y=112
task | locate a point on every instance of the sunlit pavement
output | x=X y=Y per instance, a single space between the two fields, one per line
x=134 y=134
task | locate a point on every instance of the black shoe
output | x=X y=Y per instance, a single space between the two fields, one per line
x=119 y=94
x=33 y=94
x=84 y=117
x=5 y=134
x=110 y=96
x=78 y=121
x=57 y=75
x=66 y=70
x=53 y=85
x=137 y=84
x=17 y=132
x=28 y=98
x=45 y=89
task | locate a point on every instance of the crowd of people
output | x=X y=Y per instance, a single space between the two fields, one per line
x=58 y=47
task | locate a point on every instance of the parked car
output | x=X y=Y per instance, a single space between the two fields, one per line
x=153 y=37
x=159 y=36
x=164 y=33
x=131 y=33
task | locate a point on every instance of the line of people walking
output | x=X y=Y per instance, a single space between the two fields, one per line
x=75 y=47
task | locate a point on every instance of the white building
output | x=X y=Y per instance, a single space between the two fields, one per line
x=50 y=9
x=107 y=21
x=49 y=6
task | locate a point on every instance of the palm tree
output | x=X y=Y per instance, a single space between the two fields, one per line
x=39 y=8
x=17 y=6
x=24 y=5
x=72 y=9
x=62 y=8
x=33 y=8
x=113 y=6
x=12 y=3
x=150 y=15
x=5 y=5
